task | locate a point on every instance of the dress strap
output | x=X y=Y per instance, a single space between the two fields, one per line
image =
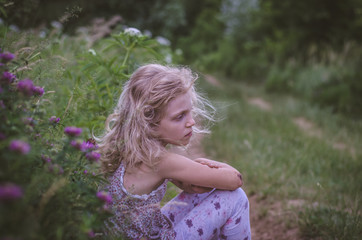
x=122 y=170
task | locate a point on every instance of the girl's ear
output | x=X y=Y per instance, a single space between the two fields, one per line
x=149 y=113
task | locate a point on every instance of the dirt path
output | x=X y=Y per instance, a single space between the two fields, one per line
x=309 y=128
x=269 y=220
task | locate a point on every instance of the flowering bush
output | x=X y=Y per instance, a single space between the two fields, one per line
x=50 y=187
x=45 y=189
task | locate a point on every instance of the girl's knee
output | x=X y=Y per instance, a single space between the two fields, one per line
x=243 y=198
x=238 y=195
x=241 y=194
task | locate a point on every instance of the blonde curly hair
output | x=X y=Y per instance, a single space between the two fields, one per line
x=130 y=135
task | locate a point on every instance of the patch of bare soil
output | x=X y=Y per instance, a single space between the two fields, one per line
x=212 y=80
x=308 y=127
x=344 y=147
x=270 y=221
x=260 y=103
x=312 y=130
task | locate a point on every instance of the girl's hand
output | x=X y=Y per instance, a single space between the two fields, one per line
x=209 y=163
x=217 y=165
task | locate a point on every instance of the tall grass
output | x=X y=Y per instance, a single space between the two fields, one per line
x=282 y=162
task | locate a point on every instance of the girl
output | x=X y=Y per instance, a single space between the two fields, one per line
x=159 y=107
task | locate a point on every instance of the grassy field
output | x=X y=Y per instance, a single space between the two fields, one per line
x=303 y=159
x=291 y=152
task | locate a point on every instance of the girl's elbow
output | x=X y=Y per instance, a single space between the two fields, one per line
x=233 y=185
x=238 y=181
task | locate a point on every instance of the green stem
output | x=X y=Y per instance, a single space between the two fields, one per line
x=127 y=54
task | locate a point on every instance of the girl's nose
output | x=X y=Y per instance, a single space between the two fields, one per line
x=190 y=122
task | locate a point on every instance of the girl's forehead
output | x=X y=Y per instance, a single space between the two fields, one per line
x=180 y=103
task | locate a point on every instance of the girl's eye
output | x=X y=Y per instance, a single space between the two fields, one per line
x=179 y=117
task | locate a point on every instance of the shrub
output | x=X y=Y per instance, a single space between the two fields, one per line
x=47 y=186
x=50 y=184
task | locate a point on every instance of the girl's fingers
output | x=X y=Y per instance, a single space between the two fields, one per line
x=210 y=165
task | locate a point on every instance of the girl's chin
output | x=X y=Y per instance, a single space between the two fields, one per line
x=182 y=142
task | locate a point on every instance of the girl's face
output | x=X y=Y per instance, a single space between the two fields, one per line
x=176 y=125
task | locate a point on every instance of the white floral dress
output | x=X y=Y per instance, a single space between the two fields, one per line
x=137 y=216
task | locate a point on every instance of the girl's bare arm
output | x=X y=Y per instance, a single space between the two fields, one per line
x=213 y=164
x=209 y=173
x=190 y=188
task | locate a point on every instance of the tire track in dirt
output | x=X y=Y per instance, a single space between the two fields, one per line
x=267 y=219
x=310 y=129
x=271 y=220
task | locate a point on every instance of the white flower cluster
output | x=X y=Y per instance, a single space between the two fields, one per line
x=91 y=51
x=163 y=41
x=133 y=32
x=56 y=24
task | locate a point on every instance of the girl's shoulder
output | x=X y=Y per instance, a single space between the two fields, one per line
x=170 y=162
x=169 y=159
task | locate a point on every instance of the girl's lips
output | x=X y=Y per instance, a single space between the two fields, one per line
x=189 y=134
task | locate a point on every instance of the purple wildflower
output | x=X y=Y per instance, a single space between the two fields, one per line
x=83 y=146
x=105 y=197
x=93 y=156
x=90 y=146
x=46 y=159
x=91 y=234
x=19 y=146
x=78 y=145
x=26 y=87
x=8 y=77
x=56 y=169
x=10 y=192
x=2 y=105
x=107 y=208
x=39 y=91
x=60 y=170
x=54 y=119
x=72 y=131
x=29 y=121
x=6 y=57
x=2 y=136
x=85 y=171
